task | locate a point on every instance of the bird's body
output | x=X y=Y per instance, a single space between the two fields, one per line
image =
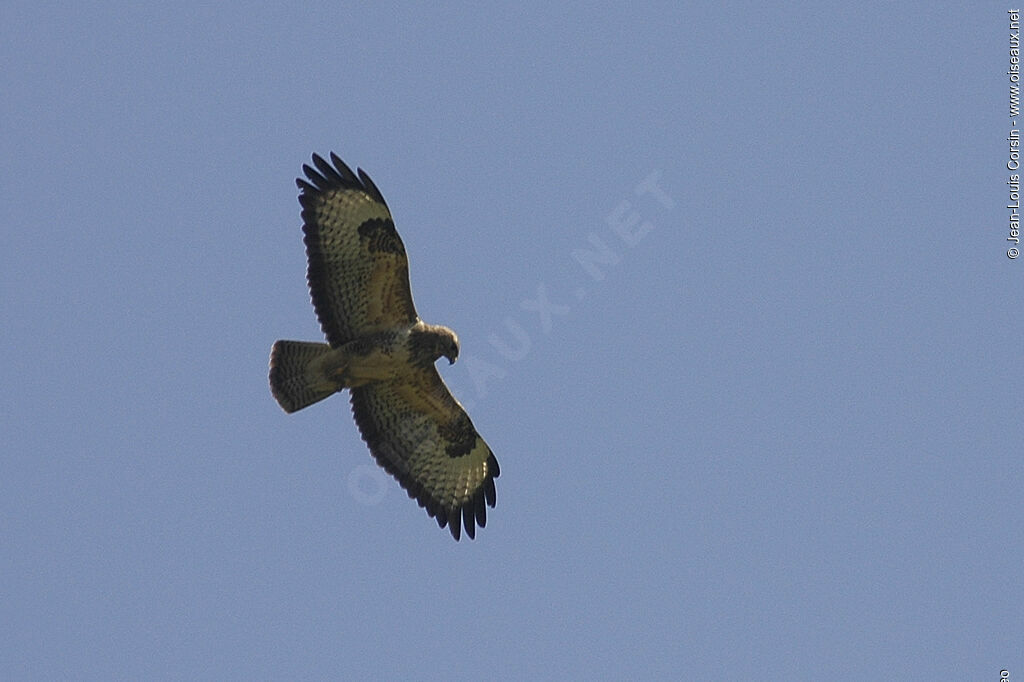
x=381 y=351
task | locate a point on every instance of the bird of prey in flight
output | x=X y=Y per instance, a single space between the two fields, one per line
x=381 y=351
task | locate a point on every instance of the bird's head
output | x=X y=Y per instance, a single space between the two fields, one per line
x=450 y=346
x=429 y=342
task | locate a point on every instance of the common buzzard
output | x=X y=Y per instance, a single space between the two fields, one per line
x=379 y=349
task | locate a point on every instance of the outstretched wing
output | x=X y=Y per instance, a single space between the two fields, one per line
x=421 y=435
x=358 y=271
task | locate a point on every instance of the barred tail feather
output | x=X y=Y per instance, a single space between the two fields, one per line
x=293 y=384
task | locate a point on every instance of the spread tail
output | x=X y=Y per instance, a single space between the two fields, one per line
x=294 y=380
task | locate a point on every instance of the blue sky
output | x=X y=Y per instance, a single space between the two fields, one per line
x=764 y=423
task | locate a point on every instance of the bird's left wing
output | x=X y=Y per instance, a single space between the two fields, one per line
x=421 y=435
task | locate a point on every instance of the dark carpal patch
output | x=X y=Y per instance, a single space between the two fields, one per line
x=460 y=436
x=380 y=235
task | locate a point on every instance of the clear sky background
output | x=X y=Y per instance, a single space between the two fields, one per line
x=773 y=432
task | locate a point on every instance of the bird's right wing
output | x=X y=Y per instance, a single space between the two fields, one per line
x=358 y=272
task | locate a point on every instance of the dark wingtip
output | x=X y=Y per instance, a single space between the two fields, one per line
x=344 y=170
x=490 y=494
x=335 y=173
x=481 y=509
x=318 y=180
x=371 y=188
x=467 y=519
